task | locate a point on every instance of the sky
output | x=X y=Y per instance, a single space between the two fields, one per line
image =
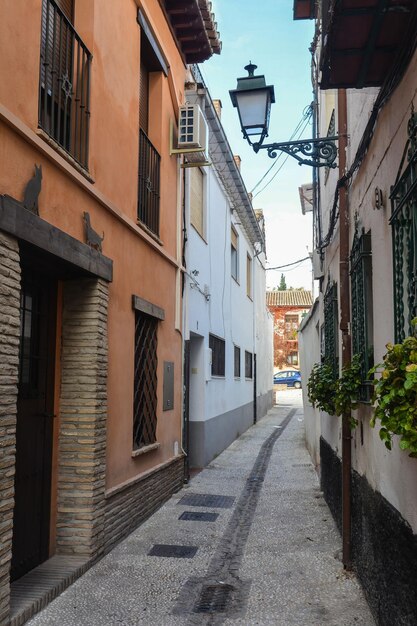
x=265 y=33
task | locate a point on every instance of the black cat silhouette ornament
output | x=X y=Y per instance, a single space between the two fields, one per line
x=93 y=239
x=32 y=191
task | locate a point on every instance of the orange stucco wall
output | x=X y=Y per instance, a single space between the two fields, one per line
x=141 y=265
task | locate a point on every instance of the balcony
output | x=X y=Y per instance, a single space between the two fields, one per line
x=149 y=184
x=361 y=40
x=64 y=98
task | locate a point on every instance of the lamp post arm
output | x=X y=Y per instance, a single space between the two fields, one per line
x=320 y=152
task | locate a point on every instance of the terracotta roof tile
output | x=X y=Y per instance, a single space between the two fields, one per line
x=290 y=297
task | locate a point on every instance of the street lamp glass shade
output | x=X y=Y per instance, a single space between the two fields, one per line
x=254 y=107
x=253 y=98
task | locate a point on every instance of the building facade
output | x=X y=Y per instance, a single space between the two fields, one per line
x=288 y=307
x=227 y=327
x=366 y=77
x=90 y=265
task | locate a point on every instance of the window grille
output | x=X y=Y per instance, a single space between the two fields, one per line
x=237 y=362
x=404 y=235
x=248 y=364
x=217 y=347
x=330 y=328
x=64 y=86
x=145 y=380
x=149 y=184
x=362 y=306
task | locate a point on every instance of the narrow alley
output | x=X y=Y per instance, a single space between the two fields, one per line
x=249 y=541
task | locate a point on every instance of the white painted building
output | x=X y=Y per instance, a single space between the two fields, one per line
x=228 y=330
x=380 y=175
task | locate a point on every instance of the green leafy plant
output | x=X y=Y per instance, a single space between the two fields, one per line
x=395 y=394
x=336 y=396
x=321 y=387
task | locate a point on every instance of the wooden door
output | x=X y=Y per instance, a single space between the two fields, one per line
x=34 y=423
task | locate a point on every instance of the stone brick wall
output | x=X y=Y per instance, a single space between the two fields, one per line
x=126 y=508
x=9 y=363
x=83 y=413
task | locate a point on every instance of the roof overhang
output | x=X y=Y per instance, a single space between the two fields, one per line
x=361 y=39
x=304 y=9
x=194 y=28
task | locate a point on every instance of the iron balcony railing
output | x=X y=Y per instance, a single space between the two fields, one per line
x=149 y=183
x=64 y=86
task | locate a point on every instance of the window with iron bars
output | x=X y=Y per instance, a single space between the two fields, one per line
x=404 y=237
x=149 y=158
x=362 y=307
x=145 y=380
x=217 y=347
x=331 y=314
x=64 y=86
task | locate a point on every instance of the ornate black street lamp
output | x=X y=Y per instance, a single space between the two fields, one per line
x=253 y=98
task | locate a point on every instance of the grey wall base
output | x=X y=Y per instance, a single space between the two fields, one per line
x=209 y=438
x=384 y=548
x=264 y=403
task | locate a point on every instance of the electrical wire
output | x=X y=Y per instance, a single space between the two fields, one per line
x=283 y=163
x=280 y=267
x=307 y=114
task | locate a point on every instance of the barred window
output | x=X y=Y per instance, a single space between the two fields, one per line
x=331 y=315
x=362 y=307
x=217 y=347
x=237 y=362
x=248 y=364
x=404 y=235
x=64 y=85
x=149 y=174
x=145 y=380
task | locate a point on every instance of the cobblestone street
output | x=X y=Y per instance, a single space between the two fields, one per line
x=249 y=541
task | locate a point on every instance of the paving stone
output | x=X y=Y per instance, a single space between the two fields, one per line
x=273 y=558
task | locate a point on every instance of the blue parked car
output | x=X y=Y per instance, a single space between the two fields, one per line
x=289 y=378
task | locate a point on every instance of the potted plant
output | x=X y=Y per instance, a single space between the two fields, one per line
x=335 y=396
x=395 y=394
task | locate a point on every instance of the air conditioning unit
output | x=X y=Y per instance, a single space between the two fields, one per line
x=193 y=133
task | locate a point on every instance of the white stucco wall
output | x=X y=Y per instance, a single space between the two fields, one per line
x=309 y=349
x=228 y=313
x=391 y=473
x=264 y=328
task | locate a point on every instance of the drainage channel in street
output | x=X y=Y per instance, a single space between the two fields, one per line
x=221 y=593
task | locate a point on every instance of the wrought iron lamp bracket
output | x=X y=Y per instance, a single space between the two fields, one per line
x=315 y=152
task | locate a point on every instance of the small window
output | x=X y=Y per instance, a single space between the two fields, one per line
x=217 y=347
x=197 y=199
x=291 y=321
x=237 y=362
x=248 y=276
x=293 y=360
x=234 y=253
x=248 y=364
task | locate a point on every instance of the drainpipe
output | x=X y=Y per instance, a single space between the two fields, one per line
x=344 y=327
